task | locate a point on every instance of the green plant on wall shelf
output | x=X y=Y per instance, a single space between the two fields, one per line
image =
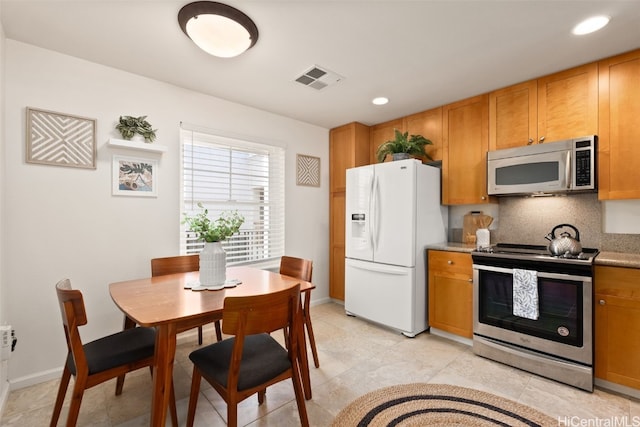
x=128 y=126
x=403 y=143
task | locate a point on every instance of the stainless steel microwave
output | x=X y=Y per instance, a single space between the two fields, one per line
x=553 y=167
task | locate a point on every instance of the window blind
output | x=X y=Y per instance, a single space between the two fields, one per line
x=227 y=174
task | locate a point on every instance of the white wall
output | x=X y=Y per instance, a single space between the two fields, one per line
x=4 y=385
x=64 y=222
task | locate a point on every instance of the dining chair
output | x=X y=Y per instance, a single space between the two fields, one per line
x=251 y=360
x=302 y=269
x=98 y=361
x=181 y=264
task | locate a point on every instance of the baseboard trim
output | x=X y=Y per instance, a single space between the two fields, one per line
x=3 y=398
x=449 y=335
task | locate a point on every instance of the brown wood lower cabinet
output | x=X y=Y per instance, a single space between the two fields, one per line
x=450 y=297
x=617 y=325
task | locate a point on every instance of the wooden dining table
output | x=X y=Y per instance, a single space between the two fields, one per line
x=167 y=304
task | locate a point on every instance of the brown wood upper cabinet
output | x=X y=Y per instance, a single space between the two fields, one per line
x=619 y=133
x=559 y=106
x=465 y=142
x=428 y=124
x=382 y=133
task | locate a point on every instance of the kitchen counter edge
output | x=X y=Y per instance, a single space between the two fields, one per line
x=452 y=247
x=618 y=259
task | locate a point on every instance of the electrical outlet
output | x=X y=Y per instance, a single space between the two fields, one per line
x=5 y=342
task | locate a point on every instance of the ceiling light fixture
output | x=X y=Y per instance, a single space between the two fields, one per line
x=381 y=100
x=217 y=28
x=590 y=25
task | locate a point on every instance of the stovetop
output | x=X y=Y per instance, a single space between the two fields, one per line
x=536 y=252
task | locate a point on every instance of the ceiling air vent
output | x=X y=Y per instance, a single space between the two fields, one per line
x=318 y=78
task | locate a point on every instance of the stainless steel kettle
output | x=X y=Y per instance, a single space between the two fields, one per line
x=565 y=244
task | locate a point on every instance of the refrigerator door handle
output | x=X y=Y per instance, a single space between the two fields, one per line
x=371 y=205
x=375 y=209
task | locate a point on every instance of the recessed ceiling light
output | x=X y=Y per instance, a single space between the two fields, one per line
x=590 y=25
x=381 y=100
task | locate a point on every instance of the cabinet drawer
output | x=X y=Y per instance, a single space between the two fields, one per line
x=451 y=262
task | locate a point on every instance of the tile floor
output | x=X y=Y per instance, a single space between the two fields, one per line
x=355 y=358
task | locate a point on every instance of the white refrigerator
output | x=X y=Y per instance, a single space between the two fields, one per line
x=393 y=212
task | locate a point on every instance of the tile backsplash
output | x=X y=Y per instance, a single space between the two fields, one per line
x=529 y=219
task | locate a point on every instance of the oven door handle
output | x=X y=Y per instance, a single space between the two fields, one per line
x=542 y=274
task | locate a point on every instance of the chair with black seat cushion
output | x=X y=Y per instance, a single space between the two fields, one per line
x=251 y=360
x=302 y=269
x=98 y=361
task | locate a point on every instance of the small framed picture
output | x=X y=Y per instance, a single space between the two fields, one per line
x=134 y=176
x=308 y=170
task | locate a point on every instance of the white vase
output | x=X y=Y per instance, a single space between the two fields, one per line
x=213 y=264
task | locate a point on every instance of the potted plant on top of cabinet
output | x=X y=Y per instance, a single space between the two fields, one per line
x=403 y=146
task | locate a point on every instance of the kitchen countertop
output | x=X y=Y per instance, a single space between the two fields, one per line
x=618 y=259
x=453 y=247
x=611 y=259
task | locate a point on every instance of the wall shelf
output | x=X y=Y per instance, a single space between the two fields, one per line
x=136 y=145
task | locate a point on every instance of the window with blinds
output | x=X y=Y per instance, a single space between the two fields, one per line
x=227 y=174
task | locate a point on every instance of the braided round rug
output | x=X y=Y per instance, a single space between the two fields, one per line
x=437 y=405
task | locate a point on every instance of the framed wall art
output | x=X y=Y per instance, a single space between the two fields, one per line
x=60 y=139
x=134 y=176
x=308 y=170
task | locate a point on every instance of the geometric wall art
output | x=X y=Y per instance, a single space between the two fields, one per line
x=60 y=139
x=308 y=170
x=134 y=176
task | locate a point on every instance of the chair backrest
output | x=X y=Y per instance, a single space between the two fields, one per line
x=175 y=264
x=296 y=267
x=256 y=314
x=73 y=315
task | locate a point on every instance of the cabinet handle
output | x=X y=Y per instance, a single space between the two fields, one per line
x=530 y=141
x=483 y=198
x=449 y=262
x=470 y=280
x=602 y=302
x=541 y=140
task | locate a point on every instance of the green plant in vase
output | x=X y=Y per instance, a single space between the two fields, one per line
x=217 y=230
x=403 y=143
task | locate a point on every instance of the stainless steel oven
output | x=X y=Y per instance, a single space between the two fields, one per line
x=558 y=344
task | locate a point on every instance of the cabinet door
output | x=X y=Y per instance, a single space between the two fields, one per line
x=465 y=126
x=451 y=292
x=337 y=245
x=382 y=133
x=428 y=124
x=568 y=104
x=513 y=116
x=617 y=325
x=348 y=147
x=619 y=134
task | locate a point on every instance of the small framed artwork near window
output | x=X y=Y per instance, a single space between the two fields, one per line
x=60 y=139
x=134 y=176
x=308 y=170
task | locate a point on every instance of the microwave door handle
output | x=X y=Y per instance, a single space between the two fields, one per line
x=567 y=171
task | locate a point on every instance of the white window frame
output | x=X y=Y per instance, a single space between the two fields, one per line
x=230 y=173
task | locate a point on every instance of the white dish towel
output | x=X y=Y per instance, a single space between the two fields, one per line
x=525 y=293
